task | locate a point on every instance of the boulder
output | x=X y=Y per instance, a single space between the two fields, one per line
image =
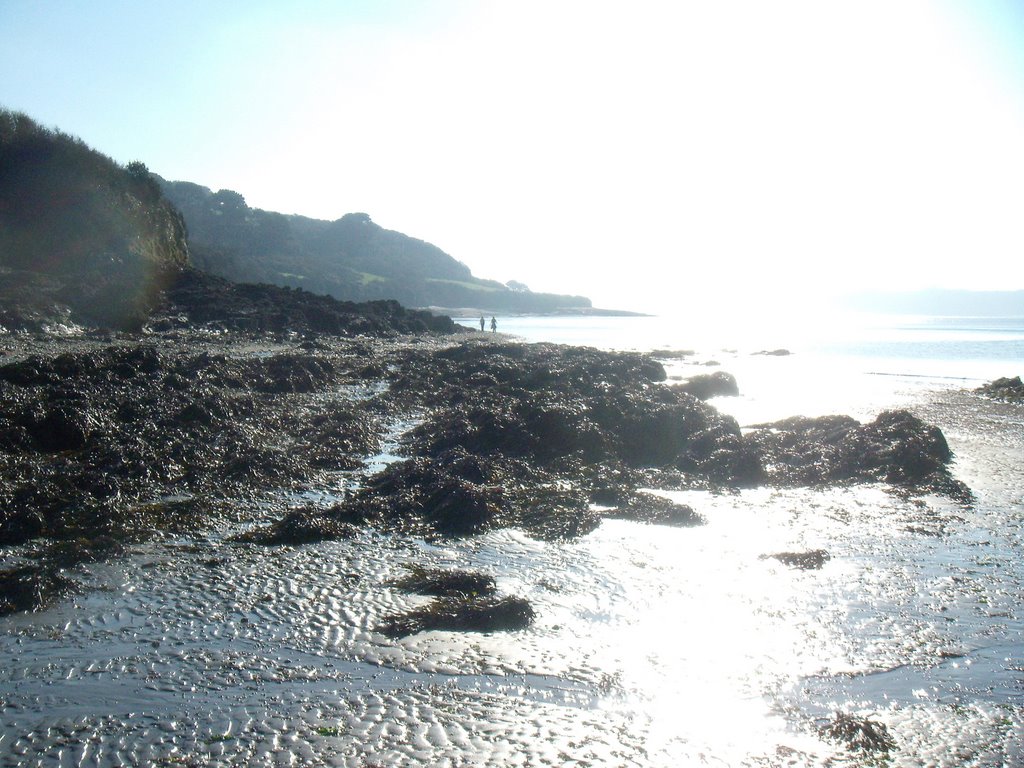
x=812 y=560
x=1006 y=389
x=707 y=385
x=458 y=614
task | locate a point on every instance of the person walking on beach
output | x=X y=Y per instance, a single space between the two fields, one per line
x=494 y=325
x=481 y=323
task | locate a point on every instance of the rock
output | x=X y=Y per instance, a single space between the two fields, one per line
x=20 y=525
x=896 y=448
x=858 y=734
x=31 y=588
x=805 y=561
x=484 y=614
x=671 y=354
x=301 y=526
x=68 y=554
x=773 y=352
x=1007 y=389
x=708 y=385
x=441 y=583
x=60 y=429
x=459 y=494
x=648 y=508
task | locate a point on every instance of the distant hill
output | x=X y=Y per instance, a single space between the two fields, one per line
x=80 y=231
x=351 y=258
x=942 y=302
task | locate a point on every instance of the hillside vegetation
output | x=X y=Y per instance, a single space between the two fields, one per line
x=80 y=234
x=351 y=258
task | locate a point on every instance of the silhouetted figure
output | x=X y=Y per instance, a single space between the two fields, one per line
x=481 y=323
x=494 y=325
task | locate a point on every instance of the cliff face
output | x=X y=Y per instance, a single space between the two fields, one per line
x=91 y=235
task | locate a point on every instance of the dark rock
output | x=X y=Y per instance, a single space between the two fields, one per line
x=1008 y=389
x=708 y=385
x=300 y=526
x=441 y=583
x=812 y=560
x=20 y=525
x=648 y=508
x=485 y=614
x=858 y=734
x=459 y=494
x=773 y=352
x=671 y=354
x=196 y=299
x=31 y=588
x=896 y=448
x=68 y=554
x=60 y=429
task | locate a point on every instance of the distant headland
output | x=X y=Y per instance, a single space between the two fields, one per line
x=352 y=258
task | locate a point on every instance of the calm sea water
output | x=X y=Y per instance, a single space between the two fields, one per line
x=852 y=364
x=653 y=646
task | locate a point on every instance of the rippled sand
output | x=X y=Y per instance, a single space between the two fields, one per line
x=653 y=646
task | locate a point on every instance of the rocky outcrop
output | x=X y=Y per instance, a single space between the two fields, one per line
x=465 y=601
x=811 y=560
x=708 y=385
x=896 y=448
x=91 y=441
x=459 y=614
x=195 y=299
x=1007 y=389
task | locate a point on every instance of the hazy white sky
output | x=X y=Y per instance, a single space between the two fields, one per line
x=636 y=152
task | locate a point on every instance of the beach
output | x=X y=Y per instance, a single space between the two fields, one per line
x=650 y=644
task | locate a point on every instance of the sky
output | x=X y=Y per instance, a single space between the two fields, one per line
x=645 y=154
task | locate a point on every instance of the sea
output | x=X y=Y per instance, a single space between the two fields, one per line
x=653 y=646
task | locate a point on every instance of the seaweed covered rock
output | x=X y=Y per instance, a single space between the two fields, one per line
x=645 y=507
x=552 y=405
x=301 y=526
x=858 y=734
x=457 y=614
x=93 y=441
x=31 y=588
x=1008 y=389
x=578 y=411
x=446 y=583
x=198 y=299
x=460 y=494
x=811 y=560
x=707 y=385
x=896 y=448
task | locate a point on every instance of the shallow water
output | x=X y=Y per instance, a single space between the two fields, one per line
x=653 y=646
